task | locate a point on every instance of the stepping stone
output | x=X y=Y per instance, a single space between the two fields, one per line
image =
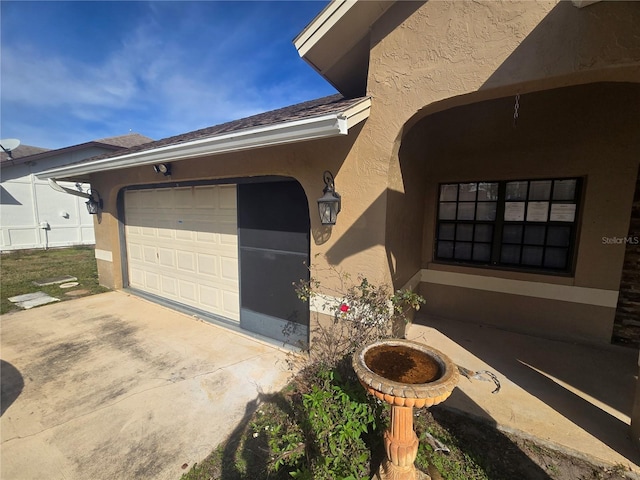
x=30 y=300
x=54 y=280
x=77 y=293
x=69 y=284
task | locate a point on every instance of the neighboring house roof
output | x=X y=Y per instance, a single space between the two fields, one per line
x=320 y=118
x=22 y=151
x=112 y=143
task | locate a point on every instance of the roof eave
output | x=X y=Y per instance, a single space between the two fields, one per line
x=321 y=25
x=323 y=126
x=328 y=44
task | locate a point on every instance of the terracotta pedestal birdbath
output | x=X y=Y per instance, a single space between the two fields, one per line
x=404 y=374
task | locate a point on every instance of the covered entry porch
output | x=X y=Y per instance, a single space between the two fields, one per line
x=510 y=200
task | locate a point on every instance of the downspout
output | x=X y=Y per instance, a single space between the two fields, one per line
x=59 y=188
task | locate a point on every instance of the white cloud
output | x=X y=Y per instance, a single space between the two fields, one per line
x=161 y=79
x=31 y=79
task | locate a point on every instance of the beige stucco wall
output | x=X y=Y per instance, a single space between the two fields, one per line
x=425 y=58
x=431 y=57
x=446 y=49
x=428 y=57
x=354 y=242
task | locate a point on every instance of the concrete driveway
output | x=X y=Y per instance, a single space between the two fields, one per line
x=115 y=387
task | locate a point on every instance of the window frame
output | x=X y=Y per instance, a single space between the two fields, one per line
x=497 y=242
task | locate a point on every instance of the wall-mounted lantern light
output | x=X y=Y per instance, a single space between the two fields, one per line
x=163 y=168
x=330 y=203
x=94 y=204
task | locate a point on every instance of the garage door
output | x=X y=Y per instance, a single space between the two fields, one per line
x=182 y=246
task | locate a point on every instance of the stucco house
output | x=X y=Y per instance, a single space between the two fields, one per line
x=486 y=154
x=32 y=214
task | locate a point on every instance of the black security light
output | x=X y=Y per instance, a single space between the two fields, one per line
x=330 y=203
x=163 y=168
x=94 y=204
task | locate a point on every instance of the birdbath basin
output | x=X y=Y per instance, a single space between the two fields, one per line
x=404 y=374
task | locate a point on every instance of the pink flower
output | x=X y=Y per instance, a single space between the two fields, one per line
x=344 y=307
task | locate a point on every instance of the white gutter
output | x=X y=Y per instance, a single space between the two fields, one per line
x=356 y=113
x=324 y=126
x=59 y=188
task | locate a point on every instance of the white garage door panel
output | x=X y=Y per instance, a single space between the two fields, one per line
x=136 y=277
x=182 y=245
x=150 y=255
x=166 y=257
x=186 y=262
x=208 y=265
x=229 y=269
x=210 y=296
x=152 y=280
x=170 y=286
x=231 y=302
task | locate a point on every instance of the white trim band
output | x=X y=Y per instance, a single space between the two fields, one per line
x=105 y=255
x=564 y=293
x=326 y=304
x=413 y=282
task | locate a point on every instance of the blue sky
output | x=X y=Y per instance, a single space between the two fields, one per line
x=78 y=71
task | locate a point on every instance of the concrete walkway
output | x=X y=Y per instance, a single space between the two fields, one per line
x=572 y=397
x=115 y=387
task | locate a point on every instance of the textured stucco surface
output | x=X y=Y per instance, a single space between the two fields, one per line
x=426 y=58
x=354 y=243
x=436 y=56
x=585 y=131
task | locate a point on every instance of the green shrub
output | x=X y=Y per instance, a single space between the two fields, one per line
x=337 y=417
x=332 y=433
x=283 y=437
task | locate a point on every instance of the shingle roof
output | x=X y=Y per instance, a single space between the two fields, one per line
x=36 y=153
x=313 y=108
x=126 y=141
x=22 y=151
x=321 y=118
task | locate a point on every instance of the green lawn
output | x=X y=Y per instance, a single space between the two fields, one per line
x=18 y=271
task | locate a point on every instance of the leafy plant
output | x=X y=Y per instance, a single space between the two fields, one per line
x=335 y=413
x=338 y=416
x=284 y=439
x=274 y=432
x=326 y=436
